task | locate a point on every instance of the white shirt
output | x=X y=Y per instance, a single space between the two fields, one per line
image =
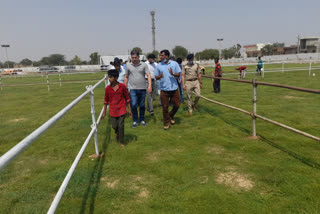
x=151 y=67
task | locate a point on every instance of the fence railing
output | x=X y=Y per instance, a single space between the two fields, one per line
x=310 y=67
x=26 y=142
x=254 y=114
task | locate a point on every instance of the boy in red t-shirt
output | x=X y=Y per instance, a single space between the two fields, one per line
x=117 y=97
x=242 y=73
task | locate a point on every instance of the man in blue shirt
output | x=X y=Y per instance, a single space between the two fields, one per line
x=167 y=71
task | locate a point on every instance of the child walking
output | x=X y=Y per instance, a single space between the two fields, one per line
x=117 y=97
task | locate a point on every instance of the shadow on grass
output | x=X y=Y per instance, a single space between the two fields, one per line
x=94 y=182
x=298 y=157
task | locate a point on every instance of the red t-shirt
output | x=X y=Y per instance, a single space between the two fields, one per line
x=241 y=68
x=117 y=100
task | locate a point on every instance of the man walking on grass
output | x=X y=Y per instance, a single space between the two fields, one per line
x=151 y=96
x=135 y=77
x=192 y=74
x=167 y=71
x=217 y=73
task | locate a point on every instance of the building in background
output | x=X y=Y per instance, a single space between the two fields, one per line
x=254 y=50
x=309 y=45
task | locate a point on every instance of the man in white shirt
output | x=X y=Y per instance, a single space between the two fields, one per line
x=151 y=96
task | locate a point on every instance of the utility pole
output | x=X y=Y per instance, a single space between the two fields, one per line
x=153 y=13
x=220 y=40
x=6 y=46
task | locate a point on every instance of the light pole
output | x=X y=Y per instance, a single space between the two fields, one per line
x=6 y=46
x=220 y=40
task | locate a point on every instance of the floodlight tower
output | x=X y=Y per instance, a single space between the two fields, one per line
x=153 y=13
x=6 y=46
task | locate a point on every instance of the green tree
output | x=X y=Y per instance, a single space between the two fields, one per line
x=156 y=53
x=207 y=54
x=1 y=65
x=26 y=62
x=10 y=63
x=231 y=52
x=94 y=58
x=180 y=52
x=76 y=60
x=57 y=59
x=137 y=49
x=267 y=50
x=84 y=63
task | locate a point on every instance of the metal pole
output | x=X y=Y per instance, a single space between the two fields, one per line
x=94 y=124
x=66 y=180
x=60 y=79
x=105 y=81
x=262 y=70
x=7 y=57
x=48 y=82
x=310 y=68
x=27 y=141
x=254 y=107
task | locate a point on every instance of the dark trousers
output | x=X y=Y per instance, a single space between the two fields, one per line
x=137 y=98
x=117 y=124
x=216 y=85
x=165 y=96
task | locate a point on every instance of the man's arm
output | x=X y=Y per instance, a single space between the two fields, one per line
x=129 y=108
x=199 y=76
x=126 y=80
x=104 y=111
x=149 y=83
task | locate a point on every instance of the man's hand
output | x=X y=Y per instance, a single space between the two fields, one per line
x=130 y=114
x=170 y=71
x=184 y=87
x=149 y=90
x=103 y=115
x=200 y=85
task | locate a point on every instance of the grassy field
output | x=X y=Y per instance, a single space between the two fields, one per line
x=206 y=163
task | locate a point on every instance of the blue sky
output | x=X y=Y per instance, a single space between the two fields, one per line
x=37 y=28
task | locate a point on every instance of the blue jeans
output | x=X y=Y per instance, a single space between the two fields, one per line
x=181 y=91
x=137 y=98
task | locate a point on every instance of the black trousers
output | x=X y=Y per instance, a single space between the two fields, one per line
x=216 y=85
x=118 y=126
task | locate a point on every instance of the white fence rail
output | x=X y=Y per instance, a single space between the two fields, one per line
x=22 y=145
x=254 y=114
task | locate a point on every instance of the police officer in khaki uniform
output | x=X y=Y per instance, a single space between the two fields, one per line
x=191 y=81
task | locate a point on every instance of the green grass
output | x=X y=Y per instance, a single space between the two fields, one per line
x=204 y=164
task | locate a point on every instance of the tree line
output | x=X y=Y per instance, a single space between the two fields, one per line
x=178 y=52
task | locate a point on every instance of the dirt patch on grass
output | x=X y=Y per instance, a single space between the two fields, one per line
x=155 y=156
x=144 y=193
x=110 y=183
x=235 y=180
x=292 y=97
x=215 y=149
x=17 y=120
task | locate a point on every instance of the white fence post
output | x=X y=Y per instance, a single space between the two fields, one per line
x=106 y=80
x=0 y=82
x=48 y=82
x=254 y=134
x=310 y=68
x=94 y=124
x=60 y=79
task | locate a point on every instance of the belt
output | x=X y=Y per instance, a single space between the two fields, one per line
x=194 y=79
